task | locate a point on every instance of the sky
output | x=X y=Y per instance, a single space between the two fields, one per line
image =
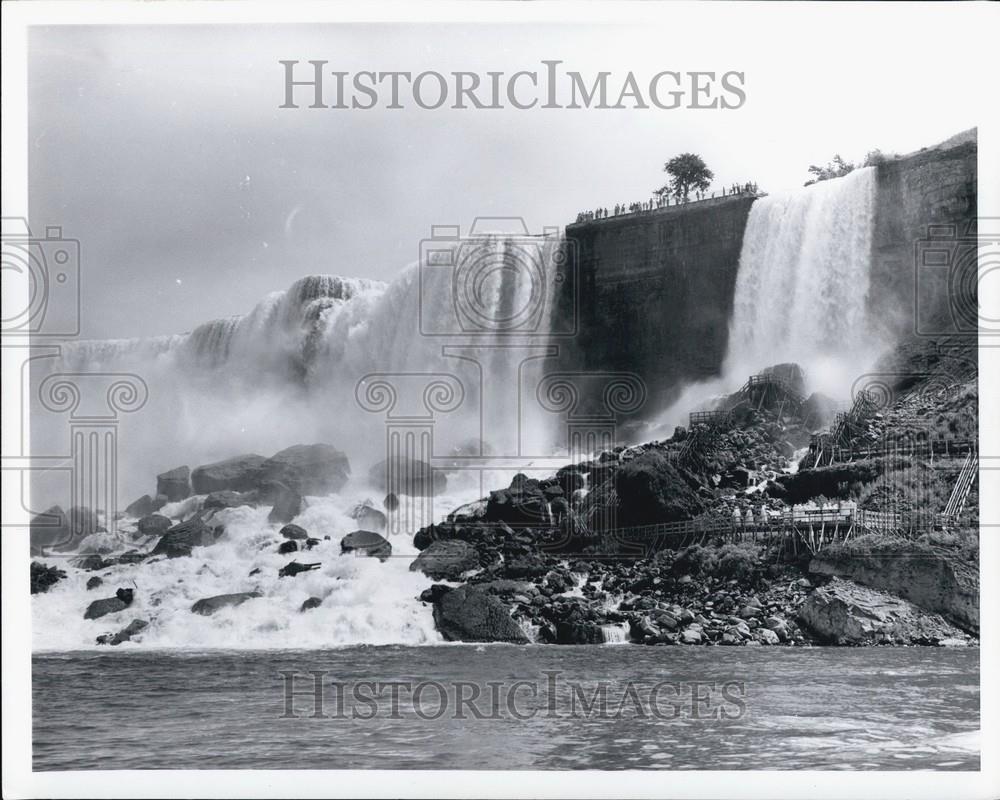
x=163 y=149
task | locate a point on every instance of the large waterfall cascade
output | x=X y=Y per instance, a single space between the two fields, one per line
x=803 y=282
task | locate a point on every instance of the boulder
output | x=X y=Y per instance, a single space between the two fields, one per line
x=288 y=546
x=109 y=605
x=294 y=532
x=43 y=577
x=181 y=539
x=523 y=503
x=579 y=633
x=94 y=582
x=58 y=530
x=766 y=636
x=366 y=543
x=174 y=484
x=238 y=474
x=210 y=605
x=308 y=469
x=154 y=525
x=467 y=614
x=368 y=517
x=287 y=504
x=125 y=634
x=91 y=562
x=931 y=577
x=225 y=498
x=312 y=602
x=293 y=568
x=691 y=635
x=651 y=490
x=846 y=613
x=408 y=476
x=142 y=507
x=446 y=560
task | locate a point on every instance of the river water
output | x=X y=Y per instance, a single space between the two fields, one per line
x=537 y=707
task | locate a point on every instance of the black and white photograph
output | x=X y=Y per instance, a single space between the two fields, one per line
x=500 y=399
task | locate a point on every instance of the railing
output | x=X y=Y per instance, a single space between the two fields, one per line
x=970 y=470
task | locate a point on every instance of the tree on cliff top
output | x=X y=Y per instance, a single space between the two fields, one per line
x=687 y=171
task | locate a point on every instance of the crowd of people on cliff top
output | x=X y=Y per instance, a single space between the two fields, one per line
x=662 y=201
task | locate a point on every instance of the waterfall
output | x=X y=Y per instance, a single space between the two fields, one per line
x=615 y=634
x=803 y=281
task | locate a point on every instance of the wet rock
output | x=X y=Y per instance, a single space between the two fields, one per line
x=94 y=582
x=254 y=571
x=312 y=602
x=766 y=636
x=210 y=605
x=293 y=568
x=691 y=635
x=43 y=577
x=287 y=503
x=366 y=543
x=294 y=532
x=846 y=613
x=238 y=474
x=181 y=539
x=91 y=562
x=505 y=588
x=308 y=469
x=136 y=626
x=390 y=502
x=408 y=476
x=446 y=560
x=529 y=565
x=466 y=614
x=523 y=503
x=579 y=633
x=368 y=517
x=224 y=499
x=110 y=605
x=142 y=507
x=58 y=530
x=154 y=525
x=310 y=543
x=174 y=484
x=434 y=593
x=131 y=557
x=287 y=547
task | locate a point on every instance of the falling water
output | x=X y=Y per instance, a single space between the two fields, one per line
x=803 y=281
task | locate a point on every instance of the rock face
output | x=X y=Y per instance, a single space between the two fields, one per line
x=175 y=484
x=142 y=507
x=651 y=490
x=927 y=576
x=238 y=474
x=308 y=469
x=210 y=605
x=287 y=503
x=845 y=613
x=136 y=626
x=408 y=476
x=58 y=530
x=446 y=560
x=183 y=537
x=154 y=525
x=224 y=499
x=43 y=577
x=366 y=543
x=466 y=614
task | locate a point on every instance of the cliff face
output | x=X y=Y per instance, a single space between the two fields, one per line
x=931 y=578
x=923 y=249
x=656 y=290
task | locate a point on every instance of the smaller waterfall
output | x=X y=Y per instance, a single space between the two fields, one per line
x=803 y=282
x=615 y=634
